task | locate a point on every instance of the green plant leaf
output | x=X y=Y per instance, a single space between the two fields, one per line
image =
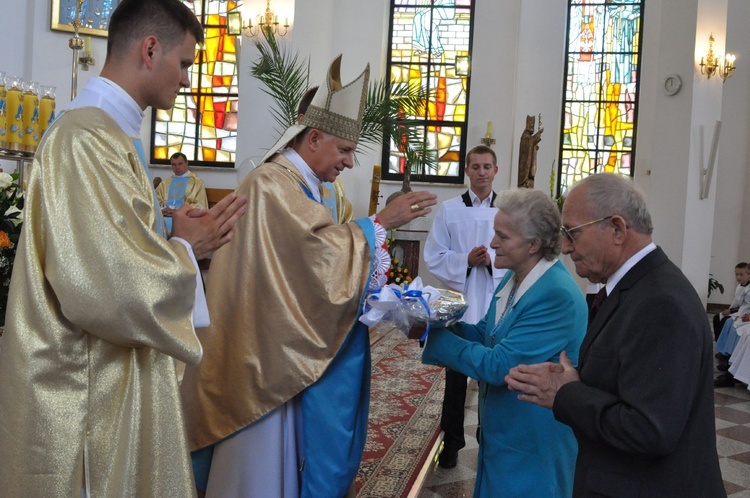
x=285 y=77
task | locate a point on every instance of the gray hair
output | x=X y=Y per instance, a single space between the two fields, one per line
x=535 y=216
x=608 y=194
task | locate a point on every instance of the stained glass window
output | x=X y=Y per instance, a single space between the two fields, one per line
x=600 y=104
x=426 y=37
x=203 y=122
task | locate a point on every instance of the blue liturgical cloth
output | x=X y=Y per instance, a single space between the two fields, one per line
x=177 y=189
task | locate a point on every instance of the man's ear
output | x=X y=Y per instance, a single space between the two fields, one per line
x=620 y=227
x=148 y=47
x=313 y=138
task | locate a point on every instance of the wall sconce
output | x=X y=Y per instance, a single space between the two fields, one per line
x=711 y=64
x=487 y=138
x=267 y=23
x=462 y=65
x=86 y=59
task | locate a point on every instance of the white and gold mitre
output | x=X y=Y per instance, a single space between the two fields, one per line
x=336 y=109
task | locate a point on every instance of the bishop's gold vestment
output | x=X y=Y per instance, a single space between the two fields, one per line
x=97 y=310
x=283 y=295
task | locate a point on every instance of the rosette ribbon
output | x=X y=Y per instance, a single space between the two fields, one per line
x=394 y=303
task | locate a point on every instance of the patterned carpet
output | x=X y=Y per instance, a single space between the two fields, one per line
x=405 y=403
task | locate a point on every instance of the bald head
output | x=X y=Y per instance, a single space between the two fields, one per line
x=607 y=193
x=606 y=222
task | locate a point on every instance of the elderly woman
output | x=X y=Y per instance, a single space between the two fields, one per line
x=537 y=312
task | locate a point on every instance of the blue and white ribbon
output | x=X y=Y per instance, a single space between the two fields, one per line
x=392 y=299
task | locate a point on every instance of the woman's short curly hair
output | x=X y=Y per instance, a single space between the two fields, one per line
x=534 y=215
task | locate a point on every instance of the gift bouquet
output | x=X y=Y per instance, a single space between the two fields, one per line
x=412 y=309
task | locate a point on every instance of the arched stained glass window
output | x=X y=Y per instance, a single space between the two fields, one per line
x=600 y=106
x=427 y=39
x=203 y=122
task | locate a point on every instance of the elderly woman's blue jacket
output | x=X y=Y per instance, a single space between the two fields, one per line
x=523 y=450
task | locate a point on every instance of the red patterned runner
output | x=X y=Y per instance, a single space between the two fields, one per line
x=405 y=403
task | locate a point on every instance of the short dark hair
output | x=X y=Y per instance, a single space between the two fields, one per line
x=178 y=154
x=741 y=266
x=304 y=102
x=481 y=149
x=167 y=20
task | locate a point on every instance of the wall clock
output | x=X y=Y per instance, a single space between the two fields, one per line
x=672 y=84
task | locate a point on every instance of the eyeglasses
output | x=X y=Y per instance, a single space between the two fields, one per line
x=568 y=232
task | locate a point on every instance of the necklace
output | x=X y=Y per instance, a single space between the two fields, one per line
x=508 y=304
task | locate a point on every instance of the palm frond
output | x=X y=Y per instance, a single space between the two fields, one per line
x=285 y=78
x=386 y=122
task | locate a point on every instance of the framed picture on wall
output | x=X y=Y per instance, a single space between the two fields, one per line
x=95 y=15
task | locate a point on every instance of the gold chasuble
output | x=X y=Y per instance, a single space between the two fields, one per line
x=283 y=295
x=97 y=310
x=195 y=193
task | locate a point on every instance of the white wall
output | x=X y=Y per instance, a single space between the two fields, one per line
x=517 y=70
x=730 y=236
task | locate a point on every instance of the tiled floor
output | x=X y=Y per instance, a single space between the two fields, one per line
x=732 y=441
x=733 y=438
x=459 y=481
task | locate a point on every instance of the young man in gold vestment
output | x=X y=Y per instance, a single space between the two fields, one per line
x=101 y=303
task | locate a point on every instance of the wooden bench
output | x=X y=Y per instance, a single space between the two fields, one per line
x=214 y=195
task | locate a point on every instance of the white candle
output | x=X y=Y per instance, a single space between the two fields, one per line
x=489 y=128
x=87 y=45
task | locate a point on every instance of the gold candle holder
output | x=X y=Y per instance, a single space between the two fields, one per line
x=76 y=43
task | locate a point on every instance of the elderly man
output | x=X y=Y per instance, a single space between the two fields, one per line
x=332 y=194
x=641 y=401
x=101 y=302
x=279 y=404
x=457 y=252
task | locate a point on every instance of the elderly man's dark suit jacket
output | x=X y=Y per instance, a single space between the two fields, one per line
x=643 y=412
